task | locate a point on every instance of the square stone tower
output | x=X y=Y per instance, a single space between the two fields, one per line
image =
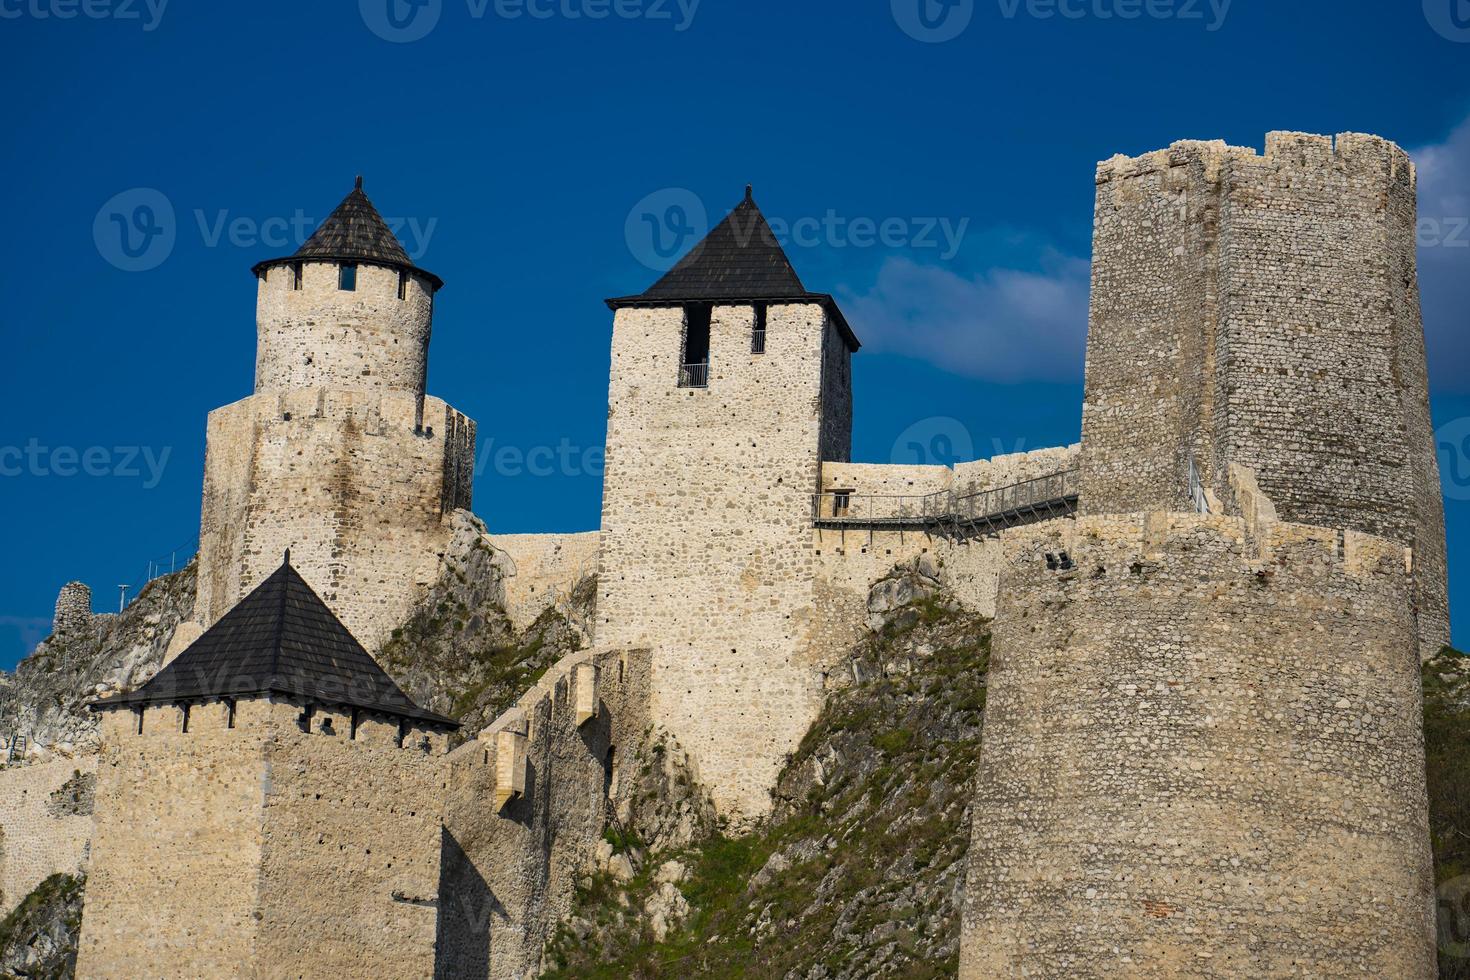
x=268 y=805
x=730 y=384
x=1263 y=310
x=339 y=454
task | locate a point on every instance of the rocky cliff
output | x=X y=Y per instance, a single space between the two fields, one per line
x=45 y=700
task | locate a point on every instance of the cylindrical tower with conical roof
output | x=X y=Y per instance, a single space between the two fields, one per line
x=348 y=310
x=339 y=455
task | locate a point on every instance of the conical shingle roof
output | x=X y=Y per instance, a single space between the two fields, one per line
x=740 y=260
x=353 y=232
x=280 y=639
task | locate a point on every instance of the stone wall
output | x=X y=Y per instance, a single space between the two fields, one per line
x=1202 y=757
x=527 y=804
x=73 y=610
x=706 y=532
x=262 y=849
x=1264 y=310
x=319 y=336
x=45 y=823
x=351 y=482
x=542 y=570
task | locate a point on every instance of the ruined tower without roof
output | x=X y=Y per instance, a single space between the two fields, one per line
x=730 y=384
x=339 y=455
x=1264 y=311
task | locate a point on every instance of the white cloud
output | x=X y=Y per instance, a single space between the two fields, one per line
x=1444 y=257
x=1002 y=325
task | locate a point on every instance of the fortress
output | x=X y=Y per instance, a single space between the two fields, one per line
x=1202 y=754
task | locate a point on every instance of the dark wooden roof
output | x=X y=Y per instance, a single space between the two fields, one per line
x=280 y=639
x=739 y=261
x=354 y=232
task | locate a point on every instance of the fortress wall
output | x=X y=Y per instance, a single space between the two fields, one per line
x=1202 y=757
x=350 y=482
x=706 y=529
x=1263 y=310
x=320 y=336
x=545 y=569
x=262 y=845
x=509 y=873
x=45 y=824
x=349 y=883
x=177 y=848
x=1012 y=468
x=836 y=433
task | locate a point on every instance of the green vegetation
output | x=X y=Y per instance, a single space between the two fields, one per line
x=47 y=922
x=1447 y=759
x=856 y=869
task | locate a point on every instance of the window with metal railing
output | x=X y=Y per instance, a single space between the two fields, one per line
x=694 y=364
x=758 y=333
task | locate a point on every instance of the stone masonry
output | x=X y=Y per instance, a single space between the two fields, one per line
x=339 y=454
x=244 y=846
x=1263 y=310
x=45 y=824
x=706 y=532
x=1202 y=757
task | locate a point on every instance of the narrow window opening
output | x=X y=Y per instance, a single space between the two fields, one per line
x=184 y=719
x=326 y=727
x=403 y=285
x=303 y=721
x=356 y=720
x=758 y=334
x=295 y=275
x=229 y=714
x=694 y=365
x=139 y=713
x=402 y=733
x=841 y=502
x=610 y=773
x=347 y=276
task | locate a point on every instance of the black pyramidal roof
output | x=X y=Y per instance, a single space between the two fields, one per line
x=740 y=260
x=354 y=232
x=280 y=639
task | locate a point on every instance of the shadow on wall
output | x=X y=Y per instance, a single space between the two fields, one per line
x=466 y=906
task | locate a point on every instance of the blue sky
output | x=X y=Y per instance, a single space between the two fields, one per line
x=933 y=167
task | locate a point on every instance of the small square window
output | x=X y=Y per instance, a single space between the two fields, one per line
x=347 y=277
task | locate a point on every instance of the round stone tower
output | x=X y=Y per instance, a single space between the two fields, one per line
x=339 y=455
x=73 y=609
x=348 y=311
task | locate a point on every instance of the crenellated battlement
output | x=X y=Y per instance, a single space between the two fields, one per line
x=1351 y=152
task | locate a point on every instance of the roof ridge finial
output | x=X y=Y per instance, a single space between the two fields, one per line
x=288 y=556
x=358 y=185
x=749 y=194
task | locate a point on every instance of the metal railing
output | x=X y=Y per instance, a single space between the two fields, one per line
x=975 y=510
x=694 y=375
x=758 y=342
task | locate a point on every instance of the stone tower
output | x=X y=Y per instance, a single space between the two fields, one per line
x=730 y=384
x=268 y=805
x=339 y=454
x=1264 y=311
